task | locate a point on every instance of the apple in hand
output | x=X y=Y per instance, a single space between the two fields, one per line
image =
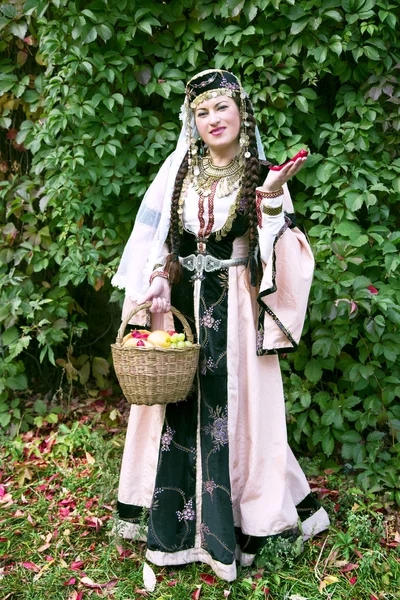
x=302 y=154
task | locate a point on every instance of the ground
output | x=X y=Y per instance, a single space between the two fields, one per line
x=59 y=540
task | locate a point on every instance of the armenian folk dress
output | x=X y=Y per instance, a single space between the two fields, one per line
x=211 y=478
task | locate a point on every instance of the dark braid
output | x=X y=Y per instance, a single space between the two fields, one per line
x=173 y=266
x=249 y=183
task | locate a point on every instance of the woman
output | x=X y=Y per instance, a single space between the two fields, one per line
x=212 y=478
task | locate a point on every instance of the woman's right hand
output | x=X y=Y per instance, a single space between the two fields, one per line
x=160 y=293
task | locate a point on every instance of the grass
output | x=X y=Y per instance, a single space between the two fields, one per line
x=58 y=541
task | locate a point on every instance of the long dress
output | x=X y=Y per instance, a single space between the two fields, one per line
x=210 y=479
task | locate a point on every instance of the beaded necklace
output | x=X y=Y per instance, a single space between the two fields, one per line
x=213 y=182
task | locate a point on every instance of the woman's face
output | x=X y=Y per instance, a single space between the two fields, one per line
x=218 y=123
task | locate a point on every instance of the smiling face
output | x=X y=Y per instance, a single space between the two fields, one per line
x=218 y=123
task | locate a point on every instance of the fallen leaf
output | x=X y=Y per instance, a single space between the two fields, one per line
x=327 y=581
x=90 y=459
x=38 y=575
x=31 y=566
x=297 y=597
x=149 y=579
x=44 y=547
x=140 y=592
x=71 y=581
x=227 y=593
x=196 y=593
x=209 y=579
x=172 y=582
x=352 y=580
x=76 y=565
x=349 y=567
x=98 y=586
x=340 y=563
x=6 y=500
x=76 y=596
x=372 y=597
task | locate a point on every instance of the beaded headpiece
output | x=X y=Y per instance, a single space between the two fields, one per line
x=204 y=86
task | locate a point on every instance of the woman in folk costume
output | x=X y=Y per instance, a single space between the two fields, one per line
x=213 y=476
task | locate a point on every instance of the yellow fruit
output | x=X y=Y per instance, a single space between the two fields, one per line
x=160 y=338
x=130 y=342
x=127 y=337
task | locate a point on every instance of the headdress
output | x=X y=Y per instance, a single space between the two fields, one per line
x=150 y=231
x=204 y=86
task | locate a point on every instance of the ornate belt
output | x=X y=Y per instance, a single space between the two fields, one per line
x=207 y=263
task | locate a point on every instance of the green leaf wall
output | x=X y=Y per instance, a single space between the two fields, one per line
x=321 y=74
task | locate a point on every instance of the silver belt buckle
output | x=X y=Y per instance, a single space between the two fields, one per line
x=201 y=263
x=195 y=263
x=212 y=264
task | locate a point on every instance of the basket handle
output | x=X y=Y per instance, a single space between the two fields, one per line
x=175 y=311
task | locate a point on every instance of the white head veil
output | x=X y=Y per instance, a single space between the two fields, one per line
x=150 y=231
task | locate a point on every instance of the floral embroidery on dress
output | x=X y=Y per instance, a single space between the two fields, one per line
x=207 y=320
x=209 y=487
x=208 y=364
x=187 y=514
x=204 y=530
x=155 y=501
x=219 y=427
x=166 y=439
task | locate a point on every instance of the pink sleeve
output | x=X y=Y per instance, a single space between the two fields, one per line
x=284 y=292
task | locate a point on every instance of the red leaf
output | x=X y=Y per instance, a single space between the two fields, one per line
x=76 y=595
x=265 y=590
x=209 y=579
x=349 y=567
x=71 y=581
x=373 y=290
x=98 y=586
x=31 y=566
x=196 y=593
x=352 y=580
x=172 y=582
x=77 y=565
x=372 y=597
x=140 y=592
x=3 y=539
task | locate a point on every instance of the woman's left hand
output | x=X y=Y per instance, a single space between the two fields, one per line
x=276 y=179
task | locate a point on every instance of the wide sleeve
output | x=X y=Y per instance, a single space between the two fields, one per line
x=284 y=289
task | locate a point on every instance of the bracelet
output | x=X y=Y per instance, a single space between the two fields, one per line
x=274 y=194
x=271 y=211
x=163 y=274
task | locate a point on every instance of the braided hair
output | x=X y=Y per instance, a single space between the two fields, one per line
x=173 y=266
x=250 y=181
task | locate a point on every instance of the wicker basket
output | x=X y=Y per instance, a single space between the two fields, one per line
x=155 y=375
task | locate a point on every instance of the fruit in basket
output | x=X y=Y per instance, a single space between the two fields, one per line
x=135 y=342
x=159 y=338
x=140 y=334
